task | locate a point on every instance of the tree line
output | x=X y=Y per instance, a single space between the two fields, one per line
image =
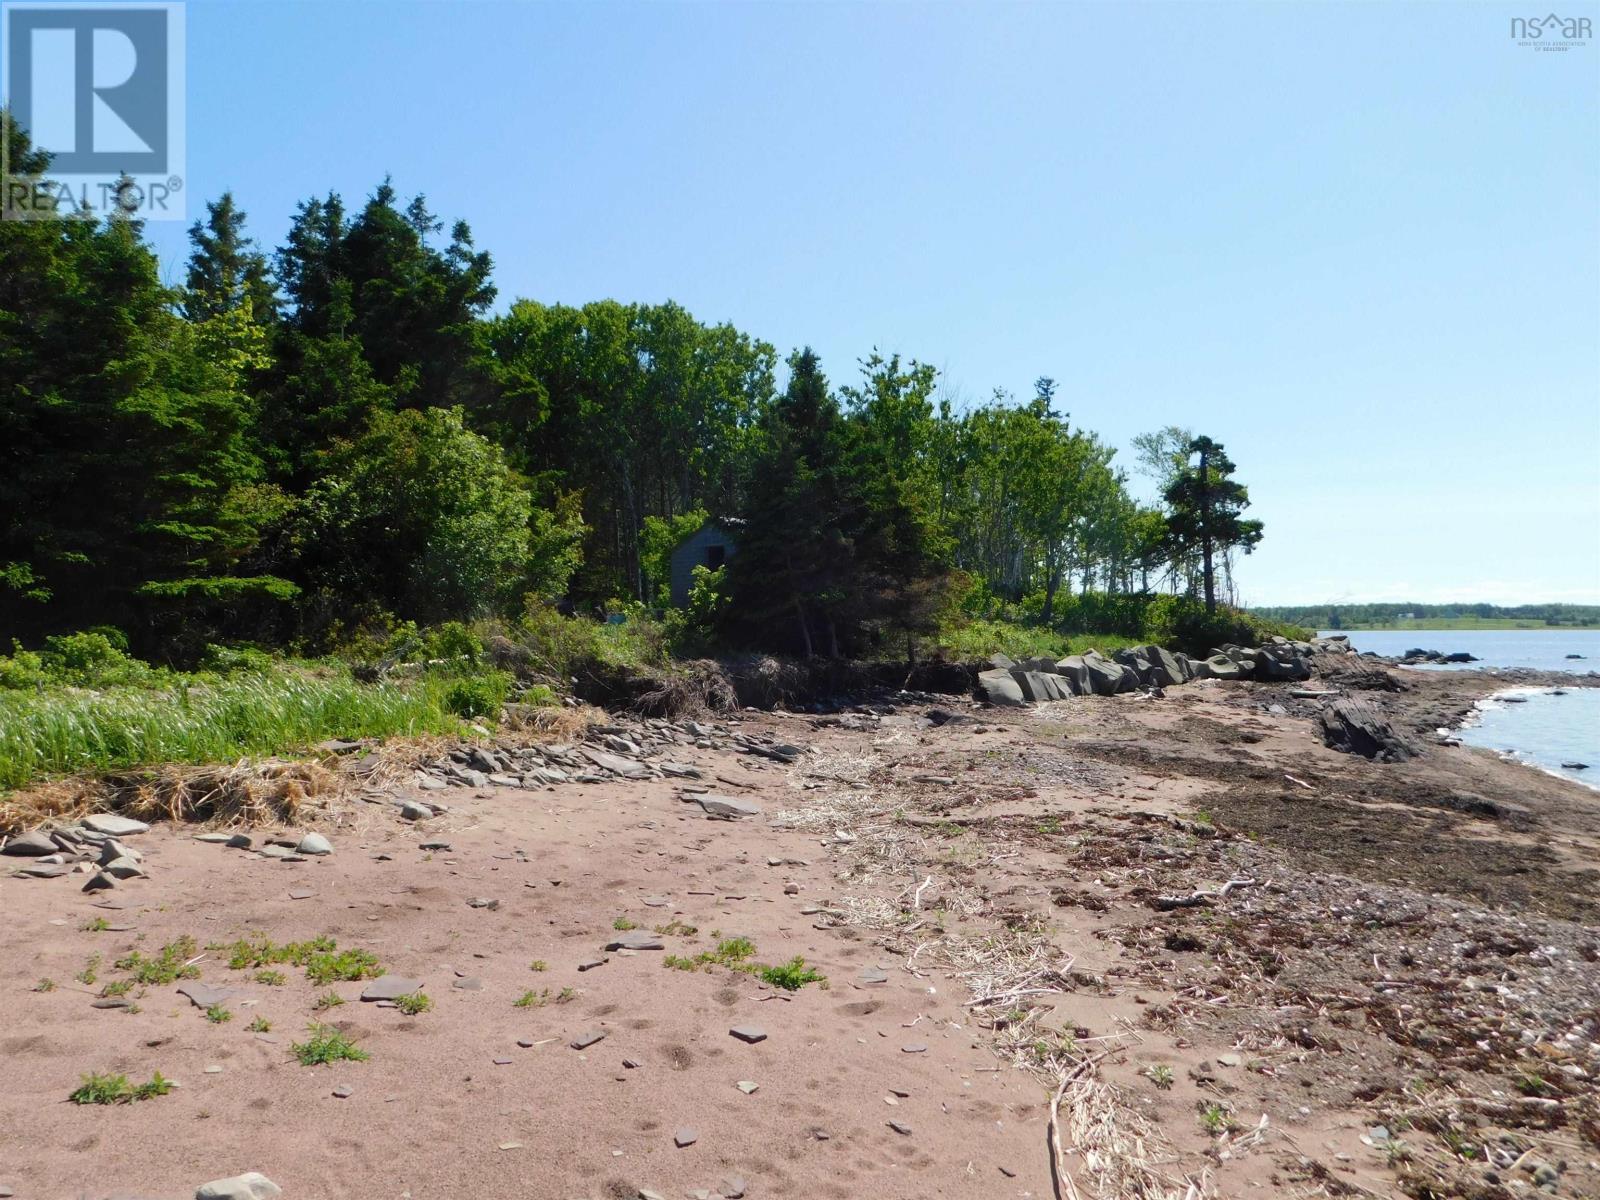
x=300 y=443
x=1342 y=616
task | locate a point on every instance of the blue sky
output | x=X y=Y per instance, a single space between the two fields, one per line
x=1357 y=243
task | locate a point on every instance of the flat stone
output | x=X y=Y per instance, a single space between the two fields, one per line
x=656 y=902
x=685 y=1137
x=300 y=894
x=204 y=995
x=871 y=975
x=215 y=838
x=732 y=1187
x=483 y=902
x=584 y=1040
x=901 y=1128
x=727 y=806
x=390 y=987
x=914 y=1048
x=343 y=1092
x=115 y=826
x=239 y=841
x=270 y=851
x=1231 y=1059
x=749 y=1033
x=636 y=939
x=468 y=985
x=252 y=1185
x=30 y=845
x=590 y=964
x=112 y=1002
x=99 y=882
x=412 y=811
x=123 y=868
x=434 y=846
x=502 y=1062
x=314 y=843
x=747 y=1086
x=45 y=871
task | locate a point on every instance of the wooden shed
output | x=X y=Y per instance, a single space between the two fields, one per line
x=709 y=546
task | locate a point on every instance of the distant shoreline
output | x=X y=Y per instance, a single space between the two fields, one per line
x=1467 y=623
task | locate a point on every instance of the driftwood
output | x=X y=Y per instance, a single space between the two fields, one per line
x=1201 y=896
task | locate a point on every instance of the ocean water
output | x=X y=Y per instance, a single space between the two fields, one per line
x=1541 y=649
x=1543 y=727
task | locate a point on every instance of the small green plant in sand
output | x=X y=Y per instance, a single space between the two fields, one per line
x=331 y=966
x=170 y=965
x=115 y=1089
x=532 y=999
x=1160 y=1075
x=218 y=1015
x=328 y=999
x=790 y=976
x=413 y=1003
x=259 y=1025
x=45 y=985
x=677 y=929
x=98 y=925
x=326 y=1045
x=271 y=978
x=117 y=987
x=1215 y=1119
x=90 y=972
x=538 y=964
x=622 y=924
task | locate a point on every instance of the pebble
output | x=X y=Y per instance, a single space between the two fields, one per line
x=1231 y=1059
x=300 y=894
x=747 y=1086
x=733 y=1187
x=314 y=843
x=483 y=902
x=901 y=1128
x=584 y=1040
x=685 y=1137
x=502 y=1062
x=749 y=1033
x=871 y=975
x=343 y=1092
x=468 y=985
x=204 y=995
x=914 y=1048
x=590 y=964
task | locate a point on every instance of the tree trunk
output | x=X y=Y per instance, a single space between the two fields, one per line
x=1205 y=532
x=805 y=631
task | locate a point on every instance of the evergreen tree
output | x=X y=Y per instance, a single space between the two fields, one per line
x=226 y=271
x=1206 y=503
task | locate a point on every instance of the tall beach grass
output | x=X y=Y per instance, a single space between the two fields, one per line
x=204 y=720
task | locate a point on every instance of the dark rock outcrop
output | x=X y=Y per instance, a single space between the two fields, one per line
x=1358 y=727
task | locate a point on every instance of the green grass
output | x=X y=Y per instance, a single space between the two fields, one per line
x=321 y=957
x=328 y=999
x=330 y=966
x=259 y=1025
x=532 y=999
x=115 y=1089
x=413 y=1003
x=327 y=1045
x=204 y=719
x=218 y=1015
x=271 y=978
x=623 y=924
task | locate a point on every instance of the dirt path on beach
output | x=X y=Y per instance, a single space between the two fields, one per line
x=1018 y=913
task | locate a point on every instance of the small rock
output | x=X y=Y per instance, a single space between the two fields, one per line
x=300 y=894
x=584 y=1040
x=343 y=1092
x=252 y=1185
x=412 y=811
x=590 y=964
x=727 y=806
x=914 y=1048
x=483 y=902
x=99 y=882
x=468 y=985
x=749 y=1033
x=314 y=843
x=31 y=845
x=1231 y=1059
x=685 y=1137
x=434 y=846
x=636 y=939
x=901 y=1128
x=871 y=975
x=747 y=1086
x=390 y=987
x=733 y=1187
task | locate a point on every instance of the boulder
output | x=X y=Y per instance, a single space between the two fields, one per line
x=1357 y=727
x=1075 y=673
x=999 y=662
x=1032 y=684
x=999 y=687
x=1282 y=662
x=1220 y=666
x=1107 y=678
x=1134 y=659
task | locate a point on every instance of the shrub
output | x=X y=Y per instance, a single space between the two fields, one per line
x=477 y=696
x=92 y=659
x=790 y=976
x=413 y=1003
x=231 y=660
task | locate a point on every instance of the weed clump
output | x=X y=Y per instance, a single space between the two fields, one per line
x=327 y=1045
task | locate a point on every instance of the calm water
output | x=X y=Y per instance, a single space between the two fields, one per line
x=1535 y=725
x=1542 y=649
